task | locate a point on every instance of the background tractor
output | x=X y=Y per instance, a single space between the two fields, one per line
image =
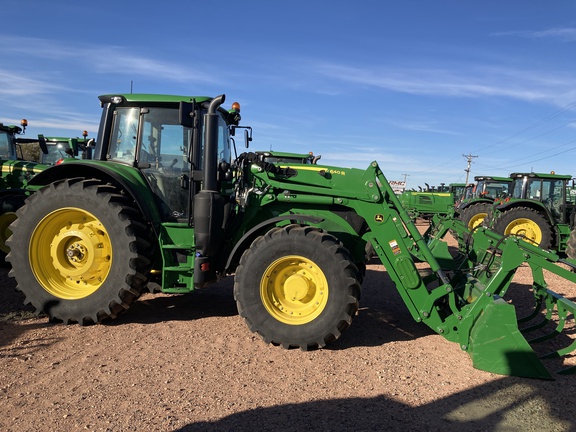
x=474 y=207
x=458 y=190
x=16 y=173
x=60 y=148
x=540 y=210
x=166 y=203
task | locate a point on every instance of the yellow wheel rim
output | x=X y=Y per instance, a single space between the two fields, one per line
x=525 y=228
x=476 y=220
x=70 y=253
x=294 y=290
x=5 y=220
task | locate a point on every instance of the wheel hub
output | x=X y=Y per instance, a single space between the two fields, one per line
x=294 y=290
x=525 y=228
x=70 y=253
x=296 y=287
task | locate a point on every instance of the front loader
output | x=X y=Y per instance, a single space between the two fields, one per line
x=164 y=205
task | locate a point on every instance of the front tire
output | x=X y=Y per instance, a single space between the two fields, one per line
x=297 y=287
x=82 y=253
x=527 y=224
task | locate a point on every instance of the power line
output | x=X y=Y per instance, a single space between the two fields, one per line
x=532 y=126
x=547 y=157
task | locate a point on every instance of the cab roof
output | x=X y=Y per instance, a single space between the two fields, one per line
x=551 y=175
x=152 y=98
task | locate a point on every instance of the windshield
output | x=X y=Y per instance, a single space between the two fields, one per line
x=492 y=189
x=56 y=152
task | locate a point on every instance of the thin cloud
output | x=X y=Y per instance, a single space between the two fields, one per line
x=469 y=82
x=567 y=34
x=16 y=85
x=106 y=59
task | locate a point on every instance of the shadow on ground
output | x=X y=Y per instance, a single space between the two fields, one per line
x=508 y=404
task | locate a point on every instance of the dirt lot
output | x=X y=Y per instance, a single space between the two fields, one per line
x=189 y=363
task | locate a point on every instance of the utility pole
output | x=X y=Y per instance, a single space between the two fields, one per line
x=405 y=175
x=469 y=157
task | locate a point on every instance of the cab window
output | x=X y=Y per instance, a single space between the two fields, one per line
x=124 y=135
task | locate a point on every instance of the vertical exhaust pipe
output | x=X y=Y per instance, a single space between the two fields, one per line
x=211 y=144
x=208 y=203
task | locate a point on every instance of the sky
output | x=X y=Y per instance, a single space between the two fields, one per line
x=421 y=87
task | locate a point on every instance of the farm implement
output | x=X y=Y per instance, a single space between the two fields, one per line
x=167 y=204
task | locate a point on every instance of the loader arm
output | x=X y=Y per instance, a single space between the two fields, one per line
x=462 y=298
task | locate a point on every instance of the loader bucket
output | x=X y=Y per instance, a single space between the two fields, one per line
x=496 y=344
x=498 y=341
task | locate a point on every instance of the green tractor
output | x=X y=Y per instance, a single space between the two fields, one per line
x=165 y=202
x=16 y=173
x=458 y=190
x=540 y=210
x=473 y=208
x=60 y=148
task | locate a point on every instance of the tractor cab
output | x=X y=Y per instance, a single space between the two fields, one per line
x=457 y=190
x=492 y=187
x=163 y=137
x=8 y=140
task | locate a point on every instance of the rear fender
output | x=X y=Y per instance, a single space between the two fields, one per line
x=127 y=178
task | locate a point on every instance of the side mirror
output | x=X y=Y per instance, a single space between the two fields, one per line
x=186 y=114
x=247 y=138
x=42 y=142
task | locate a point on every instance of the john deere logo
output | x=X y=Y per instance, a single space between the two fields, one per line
x=379 y=217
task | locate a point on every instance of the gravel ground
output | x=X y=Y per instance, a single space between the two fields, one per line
x=189 y=363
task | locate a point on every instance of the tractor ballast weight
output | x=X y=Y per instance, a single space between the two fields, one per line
x=160 y=207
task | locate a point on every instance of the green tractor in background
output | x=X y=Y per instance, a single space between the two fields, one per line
x=166 y=203
x=540 y=209
x=473 y=208
x=60 y=148
x=16 y=174
x=458 y=190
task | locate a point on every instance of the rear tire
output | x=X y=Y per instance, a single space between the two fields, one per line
x=83 y=254
x=526 y=223
x=474 y=215
x=571 y=245
x=297 y=287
